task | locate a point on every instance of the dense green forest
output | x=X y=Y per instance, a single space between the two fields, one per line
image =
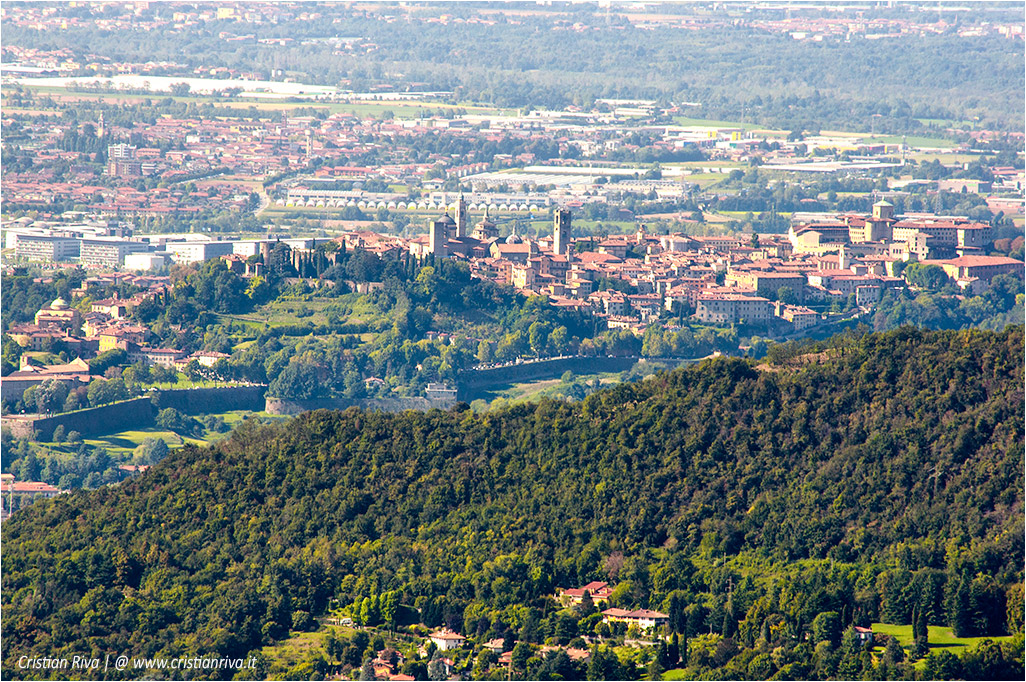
x=873 y=477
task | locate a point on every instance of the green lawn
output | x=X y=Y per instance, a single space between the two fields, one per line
x=704 y=180
x=612 y=226
x=124 y=442
x=287 y=312
x=184 y=382
x=946 y=159
x=529 y=391
x=741 y=214
x=940 y=638
x=310 y=309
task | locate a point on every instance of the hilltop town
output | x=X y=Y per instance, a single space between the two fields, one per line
x=167 y=222
x=827 y=265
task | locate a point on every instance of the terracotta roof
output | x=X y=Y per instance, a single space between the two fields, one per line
x=978 y=261
x=446 y=634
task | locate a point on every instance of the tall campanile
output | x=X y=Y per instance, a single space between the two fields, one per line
x=461 y=217
x=561 y=231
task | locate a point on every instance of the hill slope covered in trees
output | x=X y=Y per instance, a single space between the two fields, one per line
x=875 y=476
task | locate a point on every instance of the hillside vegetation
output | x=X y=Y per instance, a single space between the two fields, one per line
x=874 y=477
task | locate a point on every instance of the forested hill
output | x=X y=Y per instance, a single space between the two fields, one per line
x=874 y=476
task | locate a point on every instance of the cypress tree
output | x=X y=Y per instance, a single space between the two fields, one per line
x=958 y=607
x=921 y=633
x=673 y=652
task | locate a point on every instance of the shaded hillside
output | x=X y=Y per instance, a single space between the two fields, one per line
x=883 y=481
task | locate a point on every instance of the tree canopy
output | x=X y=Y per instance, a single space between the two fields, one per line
x=872 y=476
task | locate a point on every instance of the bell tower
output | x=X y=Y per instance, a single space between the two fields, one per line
x=561 y=231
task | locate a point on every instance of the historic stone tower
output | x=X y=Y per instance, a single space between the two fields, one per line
x=440 y=231
x=561 y=231
x=461 y=218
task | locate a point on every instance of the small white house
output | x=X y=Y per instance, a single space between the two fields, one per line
x=446 y=639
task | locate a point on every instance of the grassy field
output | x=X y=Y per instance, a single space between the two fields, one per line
x=704 y=180
x=281 y=312
x=184 y=382
x=611 y=226
x=290 y=658
x=124 y=442
x=530 y=391
x=945 y=123
x=310 y=309
x=946 y=159
x=940 y=638
x=755 y=127
x=287 y=657
x=916 y=141
x=711 y=217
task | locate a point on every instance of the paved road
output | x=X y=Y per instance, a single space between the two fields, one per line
x=265 y=201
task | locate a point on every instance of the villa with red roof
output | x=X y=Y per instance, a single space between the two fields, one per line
x=643 y=618
x=598 y=592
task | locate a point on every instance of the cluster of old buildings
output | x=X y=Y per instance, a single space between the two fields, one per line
x=628 y=280
x=106 y=326
x=599 y=592
x=631 y=280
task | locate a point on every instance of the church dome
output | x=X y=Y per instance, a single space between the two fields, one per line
x=59 y=304
x=514 y=238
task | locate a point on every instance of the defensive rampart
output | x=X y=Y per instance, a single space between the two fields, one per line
x=139 y=413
